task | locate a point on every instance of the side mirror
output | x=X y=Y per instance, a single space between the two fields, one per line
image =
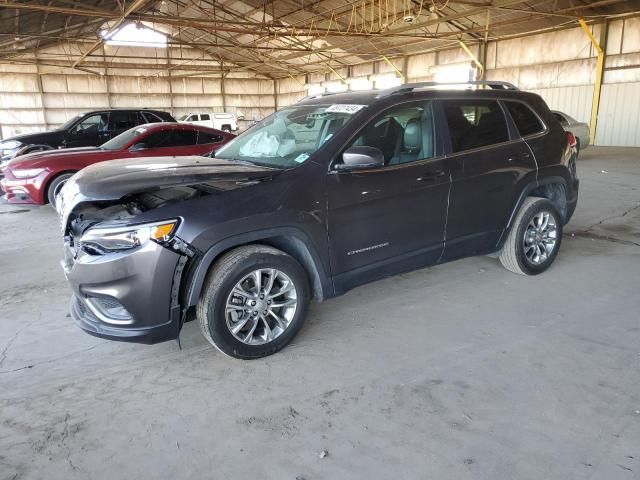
x=356 y=158
x=138 y=146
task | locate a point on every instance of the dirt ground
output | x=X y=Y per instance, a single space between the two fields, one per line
x=461 y=371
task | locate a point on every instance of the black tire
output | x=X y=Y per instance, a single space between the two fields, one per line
x=512 y=256
x=226 y=128
x=577 y=147
x=230 y=269
x=55 y=186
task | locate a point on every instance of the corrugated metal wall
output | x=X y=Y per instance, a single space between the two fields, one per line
x=39 y=97
x=618 y=123
x=575 y=101
x=618 y=118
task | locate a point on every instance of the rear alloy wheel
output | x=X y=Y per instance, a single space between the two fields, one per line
x=55 y=186
x=254 y=303
x=534 y=238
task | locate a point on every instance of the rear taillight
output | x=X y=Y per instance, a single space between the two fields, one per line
x=572 y=139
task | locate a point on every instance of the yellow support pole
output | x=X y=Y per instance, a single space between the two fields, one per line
x=338 y=75
x=472 y=56
x=597 y=87
x=398 y=72
x=297 y=81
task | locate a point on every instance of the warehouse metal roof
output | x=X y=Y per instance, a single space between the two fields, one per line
x=276 y=38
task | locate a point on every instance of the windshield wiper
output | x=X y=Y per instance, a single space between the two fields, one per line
x=237 y=160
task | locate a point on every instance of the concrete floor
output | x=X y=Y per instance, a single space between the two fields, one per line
x=462 y=371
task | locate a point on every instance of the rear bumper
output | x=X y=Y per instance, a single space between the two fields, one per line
x=139 y=283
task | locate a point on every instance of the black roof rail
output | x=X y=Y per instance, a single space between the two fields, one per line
x=408 y=87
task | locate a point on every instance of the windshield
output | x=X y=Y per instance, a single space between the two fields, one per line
x=67 y=125
x=290 y=136
x=116 y=143
x=183 y=117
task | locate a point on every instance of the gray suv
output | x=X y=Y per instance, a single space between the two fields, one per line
x=330 y=193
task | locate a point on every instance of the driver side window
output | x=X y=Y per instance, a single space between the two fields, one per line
x=92 y=124
x=403 y=133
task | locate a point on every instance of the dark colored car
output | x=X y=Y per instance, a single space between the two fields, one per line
x=38 y=177
x=86 y=130
x=333 y=192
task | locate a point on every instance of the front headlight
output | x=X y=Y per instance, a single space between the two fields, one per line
x=27 y=172
x=104 y=239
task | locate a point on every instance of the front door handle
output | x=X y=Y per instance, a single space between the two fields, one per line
x=524 y=156
x=431 y=176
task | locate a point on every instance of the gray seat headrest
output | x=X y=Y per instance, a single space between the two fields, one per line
x=413 y=136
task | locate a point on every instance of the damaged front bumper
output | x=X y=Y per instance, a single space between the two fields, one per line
x=128 y=296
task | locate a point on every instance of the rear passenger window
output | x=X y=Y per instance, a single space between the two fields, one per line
x=527 y=122
x=475 y=123
x=158 y=140
x=125 y=120
x=184 y=137
x=404 y=133
x=205 y=116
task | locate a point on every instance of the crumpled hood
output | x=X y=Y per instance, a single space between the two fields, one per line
x=115 y=179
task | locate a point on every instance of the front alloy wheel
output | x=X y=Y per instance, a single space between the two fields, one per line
x=261 y=306
x=254 y=302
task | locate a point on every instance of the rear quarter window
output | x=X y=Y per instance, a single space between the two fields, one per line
x=526 y=121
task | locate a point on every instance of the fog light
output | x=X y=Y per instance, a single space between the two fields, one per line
x=109 y=310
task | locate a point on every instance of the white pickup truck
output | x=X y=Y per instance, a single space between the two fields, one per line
x=220 y=121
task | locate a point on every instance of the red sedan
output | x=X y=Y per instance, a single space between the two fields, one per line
x=38 y=177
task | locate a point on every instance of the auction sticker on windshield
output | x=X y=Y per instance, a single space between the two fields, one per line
x=344 y=108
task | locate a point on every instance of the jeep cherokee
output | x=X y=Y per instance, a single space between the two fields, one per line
x=330 y=193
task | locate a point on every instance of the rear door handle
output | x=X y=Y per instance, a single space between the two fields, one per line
x=431 y=176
